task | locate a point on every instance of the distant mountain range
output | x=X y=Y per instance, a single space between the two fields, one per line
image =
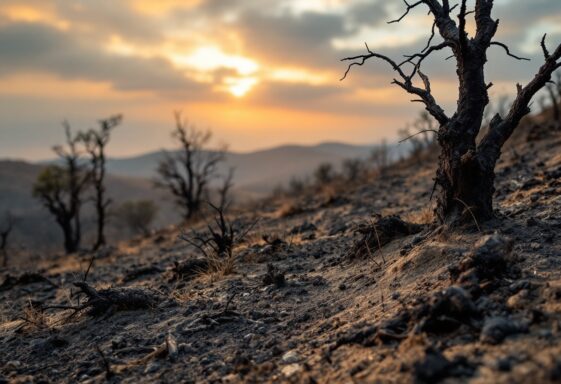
x=257 y=174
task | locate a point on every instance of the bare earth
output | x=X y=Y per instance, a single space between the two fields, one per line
x=471 y=305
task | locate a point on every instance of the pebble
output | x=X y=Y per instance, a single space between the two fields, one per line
x=518 y=300
x=496 y=329
x=152 y=367
x=291 y=357
x=291 y=370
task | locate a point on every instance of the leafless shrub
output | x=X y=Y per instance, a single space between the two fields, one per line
x=218 y=241
x=187 y=173
x=296 y=186
x=353 y=169
x=95 y=142
x=380 y=157
x=138 y=215
x=324 y=174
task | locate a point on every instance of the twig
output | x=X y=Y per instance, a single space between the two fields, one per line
x=505 y=47
x=379 y=243
x=108 y=372
x=418 y=133
x=89 y=267
x=470 y=212
x=370 y=253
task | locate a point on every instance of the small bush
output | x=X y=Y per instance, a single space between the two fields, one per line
x=138 y=215
x=324 y=174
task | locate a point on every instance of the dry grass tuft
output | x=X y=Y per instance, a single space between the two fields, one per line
x=289 y=208
x=422 y=216
x=34 y=318
x=219 y=268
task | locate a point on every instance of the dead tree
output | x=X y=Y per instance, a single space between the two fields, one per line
x=5 y=231
x=95 y=142
x=465 y=176
x=225 y=190
x=60 y=188
x=187 y=173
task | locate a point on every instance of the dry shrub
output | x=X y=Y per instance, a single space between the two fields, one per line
x=217 y=244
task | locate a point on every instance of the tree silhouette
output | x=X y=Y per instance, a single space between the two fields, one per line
x=465 y=176
x=187 y=173
x=95 y=142
x=60 y=189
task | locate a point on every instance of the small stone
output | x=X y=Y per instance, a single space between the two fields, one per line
x=496 y=329
x=231 y=378
x=12 y=365
x=531 y=222
x=504 y=364
x=248 y=337
x=291 y=370
x=152 y=367
x=518 y=300
x=535 y=246
x=291 y=357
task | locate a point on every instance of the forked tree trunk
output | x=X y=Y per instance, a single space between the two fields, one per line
x=465 y=186
x=465 y=182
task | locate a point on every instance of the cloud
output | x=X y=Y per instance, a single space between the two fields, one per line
x=36 y=47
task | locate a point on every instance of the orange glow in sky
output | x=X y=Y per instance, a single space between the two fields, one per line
x=259 y=73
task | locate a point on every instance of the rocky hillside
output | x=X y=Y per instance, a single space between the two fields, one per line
x=314 y=296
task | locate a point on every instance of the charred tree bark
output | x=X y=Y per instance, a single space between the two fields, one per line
x=464 y=180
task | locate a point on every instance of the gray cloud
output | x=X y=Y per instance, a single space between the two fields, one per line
x=41 y=48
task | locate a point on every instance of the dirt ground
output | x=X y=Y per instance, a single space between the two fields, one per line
x=481 y=304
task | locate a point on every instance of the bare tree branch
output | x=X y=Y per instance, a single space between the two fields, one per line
x=409 y=8
x=505 y=47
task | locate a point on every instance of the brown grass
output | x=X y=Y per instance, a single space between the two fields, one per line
x=219 y=268
x=422 y=216
x=289 y=208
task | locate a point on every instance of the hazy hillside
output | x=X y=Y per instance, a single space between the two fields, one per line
x=259 y=172
x=37 y=228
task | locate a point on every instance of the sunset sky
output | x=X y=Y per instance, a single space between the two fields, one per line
x=258 y=72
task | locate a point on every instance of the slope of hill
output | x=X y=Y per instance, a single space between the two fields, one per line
x=307 y=301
